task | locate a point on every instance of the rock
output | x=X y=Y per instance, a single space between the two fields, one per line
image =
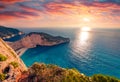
x=33 y=39
x=6 y=67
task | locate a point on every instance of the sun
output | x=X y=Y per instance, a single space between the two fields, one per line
x=86 y=19
x=85 y=28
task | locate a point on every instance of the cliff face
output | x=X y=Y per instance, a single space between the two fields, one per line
x=6 y=32
x=11 y=65
x=33 y=39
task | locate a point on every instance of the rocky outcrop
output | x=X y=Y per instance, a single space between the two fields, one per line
x=33 y=39
x=11 y=65
x=6 y=32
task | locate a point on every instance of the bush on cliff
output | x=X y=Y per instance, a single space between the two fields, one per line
x=2 y=57
x=37 y=69
x=2 y=77
x=72 y=75
x=103 y=78
x=14 y=64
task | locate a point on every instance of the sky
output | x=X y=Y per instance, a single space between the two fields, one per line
x=60 y=13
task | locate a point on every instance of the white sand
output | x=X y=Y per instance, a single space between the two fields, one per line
x=21 y=51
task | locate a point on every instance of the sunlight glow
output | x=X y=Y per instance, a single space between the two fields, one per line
x=85 y=28
x=84 y=37
x=82 y=43
x=84 y=34
x=86 y=19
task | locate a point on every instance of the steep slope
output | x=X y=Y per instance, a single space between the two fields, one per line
x=11 y=65
x=33 y=39
x=6 y=32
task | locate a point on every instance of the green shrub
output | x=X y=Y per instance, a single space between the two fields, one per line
x=2 y=77
x=37 y=68
x=2 y=57
x=73 y=75
x=103 y=78
x=15 y=64
x=51 y=66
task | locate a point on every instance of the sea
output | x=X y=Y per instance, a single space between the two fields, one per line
x=90 y=51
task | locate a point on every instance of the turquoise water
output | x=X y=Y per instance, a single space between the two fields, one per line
x=91 y=52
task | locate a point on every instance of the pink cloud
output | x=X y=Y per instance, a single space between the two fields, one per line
x=11 y=1
x=110 y=10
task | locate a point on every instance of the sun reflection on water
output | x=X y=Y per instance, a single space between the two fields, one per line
x=81 y=44
x=84 y=34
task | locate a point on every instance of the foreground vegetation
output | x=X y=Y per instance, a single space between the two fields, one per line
x=2 y=57
x=52 y=73
x=14 y=64
x=2 y=77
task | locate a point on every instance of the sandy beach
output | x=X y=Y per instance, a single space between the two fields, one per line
x=21 y=51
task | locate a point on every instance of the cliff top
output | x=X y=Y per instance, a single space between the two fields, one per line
x=48 y=37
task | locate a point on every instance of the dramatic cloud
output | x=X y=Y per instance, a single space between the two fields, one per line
x=23 y=9
x=10 y=1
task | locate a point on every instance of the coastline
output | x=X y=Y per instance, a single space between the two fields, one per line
x=21 y=51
